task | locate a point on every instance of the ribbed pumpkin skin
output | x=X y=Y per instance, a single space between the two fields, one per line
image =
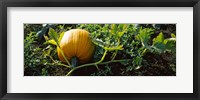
x=76 y=42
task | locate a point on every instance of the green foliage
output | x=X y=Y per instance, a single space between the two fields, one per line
x=161 y=45
x=32 y=53
x=38 y=57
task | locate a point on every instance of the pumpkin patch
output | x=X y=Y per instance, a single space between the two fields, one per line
x=100 y=50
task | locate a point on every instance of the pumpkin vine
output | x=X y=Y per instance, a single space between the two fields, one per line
x=57 y=42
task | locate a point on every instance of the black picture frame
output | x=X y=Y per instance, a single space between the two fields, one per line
x=99 y=3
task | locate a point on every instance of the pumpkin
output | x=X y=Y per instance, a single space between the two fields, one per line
x=76 y=46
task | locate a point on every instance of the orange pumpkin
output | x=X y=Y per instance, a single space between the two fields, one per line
x=77 y=44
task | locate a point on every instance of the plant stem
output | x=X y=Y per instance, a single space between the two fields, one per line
x=102 y=58
x=92 y=64
x=64 y=55
x=52 y=59
x=114 y=55
x=97 y=67
x=63 y=65
x=58 y=63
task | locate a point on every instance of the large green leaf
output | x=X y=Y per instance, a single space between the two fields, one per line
x=161 y=45
x=158 y=43
x=170 y=44
x=54 y=35
x=145 y=35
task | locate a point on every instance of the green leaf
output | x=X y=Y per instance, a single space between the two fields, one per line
x=125 y=27
x=173 y=35
x=161 y=45
x=120 y=34
x=61 y=26
x=158 y=39
x=113 y=29
x=120 y=27
x=159 y=48
x=158 y=43
x=47 y=52
x=60 y=37
x=170 y=44
x=53 y=42
x=99 y=42
x=54 y=35
x=138 y=60
x=144 y=35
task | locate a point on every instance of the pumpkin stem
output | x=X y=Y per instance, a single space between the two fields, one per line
x=74 y=61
